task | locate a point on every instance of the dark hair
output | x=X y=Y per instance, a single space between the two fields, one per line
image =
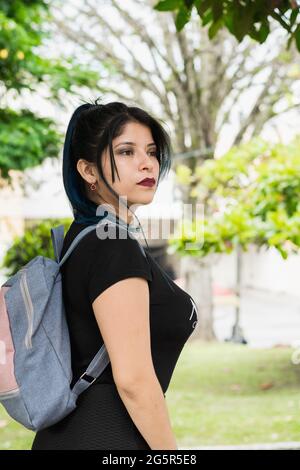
x=91 y=130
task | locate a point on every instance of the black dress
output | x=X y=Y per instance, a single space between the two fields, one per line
x=101 y=420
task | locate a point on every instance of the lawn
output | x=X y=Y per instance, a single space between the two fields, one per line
x=220 y=393
x=231 y=394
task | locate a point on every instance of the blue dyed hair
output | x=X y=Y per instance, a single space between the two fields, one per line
x=91 y=130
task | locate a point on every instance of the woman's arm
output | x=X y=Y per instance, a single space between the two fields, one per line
x=146 y=405
x=122 y=314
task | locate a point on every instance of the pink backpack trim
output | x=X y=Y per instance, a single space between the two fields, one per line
x=8 y=381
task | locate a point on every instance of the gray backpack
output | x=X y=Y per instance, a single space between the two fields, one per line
x=35 y=353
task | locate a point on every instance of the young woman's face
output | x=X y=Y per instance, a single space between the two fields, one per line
x=135 y=161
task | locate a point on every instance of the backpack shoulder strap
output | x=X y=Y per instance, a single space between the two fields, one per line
x=57 y=236
x=94 y=370
x=74 y=243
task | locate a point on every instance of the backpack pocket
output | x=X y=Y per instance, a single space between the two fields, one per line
x=8 y=384
x=28 y=308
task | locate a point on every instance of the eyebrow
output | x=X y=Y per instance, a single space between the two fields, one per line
x=132 y=143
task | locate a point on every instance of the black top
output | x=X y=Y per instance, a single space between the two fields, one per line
x=93 y=266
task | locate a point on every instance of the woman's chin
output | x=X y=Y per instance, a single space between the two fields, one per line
x=146 y=199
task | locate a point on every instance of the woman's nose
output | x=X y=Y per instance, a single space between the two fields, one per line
x=147 y=160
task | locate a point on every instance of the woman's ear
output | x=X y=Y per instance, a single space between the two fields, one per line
x=87 y=170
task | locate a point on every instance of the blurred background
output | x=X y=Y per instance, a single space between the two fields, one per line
x=224 y=78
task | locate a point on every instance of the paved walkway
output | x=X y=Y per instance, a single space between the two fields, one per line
x=267 y=319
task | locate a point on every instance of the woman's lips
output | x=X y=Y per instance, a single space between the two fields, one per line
x=147 y=183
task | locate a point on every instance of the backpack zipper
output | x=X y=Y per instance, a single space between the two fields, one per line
x=28 y=307
x=9 y=394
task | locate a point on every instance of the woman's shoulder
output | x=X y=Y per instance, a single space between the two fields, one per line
x=103 y=238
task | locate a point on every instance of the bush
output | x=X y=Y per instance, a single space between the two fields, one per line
x=36 y=241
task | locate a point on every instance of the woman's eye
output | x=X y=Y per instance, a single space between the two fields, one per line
x=125 y=151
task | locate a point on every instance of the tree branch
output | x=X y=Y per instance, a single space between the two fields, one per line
x=81 y=37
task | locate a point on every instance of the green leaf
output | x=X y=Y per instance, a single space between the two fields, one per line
x=202 y=6
x=167 y=5
x=217 y=10
x=188 y=3
x=214 y=28
x=293 y=16
x=182 y=17
x=263 y=31
x=241 y=22
x=291 y=38
x=297 y=37
x=207 y=17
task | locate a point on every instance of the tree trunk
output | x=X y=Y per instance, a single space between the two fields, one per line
x=197 y=276
x=196 y=272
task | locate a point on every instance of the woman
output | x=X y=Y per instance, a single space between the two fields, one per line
x=113 y=293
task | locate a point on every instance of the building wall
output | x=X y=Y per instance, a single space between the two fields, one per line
x=264 y=270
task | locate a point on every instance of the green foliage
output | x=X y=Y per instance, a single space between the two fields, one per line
x=218 y=233
x=36 y=241
x=20 y=33
x=22 y=30
x=240 y=17
x=25 y=138
x=251 y=196
x=278 y=182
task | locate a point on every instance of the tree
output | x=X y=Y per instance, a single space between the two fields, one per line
x=26 y=139
x=253 y=194
x=250 y=18
x=193 y=84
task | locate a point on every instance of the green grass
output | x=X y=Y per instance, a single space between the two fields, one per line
x=216 y=397
x=12 y=435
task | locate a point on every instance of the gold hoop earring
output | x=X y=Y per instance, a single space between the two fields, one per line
x=93 y=186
